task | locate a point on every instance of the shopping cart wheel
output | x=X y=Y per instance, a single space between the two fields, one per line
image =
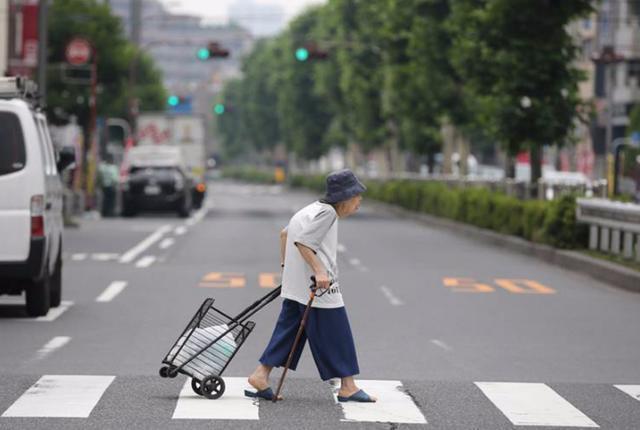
x=172 y=372
x=164 y=372
x=212 y=387
x=196 y=386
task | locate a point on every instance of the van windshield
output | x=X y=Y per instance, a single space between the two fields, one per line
x=12 y=151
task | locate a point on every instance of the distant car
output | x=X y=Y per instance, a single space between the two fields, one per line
x=156 y=180
x=30 y=200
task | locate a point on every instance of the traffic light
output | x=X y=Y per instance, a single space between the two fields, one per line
x=212 y=50
x=310 y=51
x=218 y=109
x=173 y=100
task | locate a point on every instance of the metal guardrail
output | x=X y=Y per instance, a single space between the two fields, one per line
x=614 y=227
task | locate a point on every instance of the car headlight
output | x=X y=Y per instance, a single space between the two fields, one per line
x=178 y=182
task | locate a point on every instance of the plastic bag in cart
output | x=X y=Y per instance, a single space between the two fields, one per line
x=212 y=359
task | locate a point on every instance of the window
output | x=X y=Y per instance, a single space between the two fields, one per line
x=12 y=151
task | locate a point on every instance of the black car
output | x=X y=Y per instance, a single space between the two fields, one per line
x=153 y=188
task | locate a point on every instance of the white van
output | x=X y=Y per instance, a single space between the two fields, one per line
x=30 y=201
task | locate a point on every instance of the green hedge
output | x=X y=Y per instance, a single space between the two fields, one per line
x=249 y=175
x=553 y=222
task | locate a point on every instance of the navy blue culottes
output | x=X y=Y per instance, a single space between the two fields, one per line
x=329 y=337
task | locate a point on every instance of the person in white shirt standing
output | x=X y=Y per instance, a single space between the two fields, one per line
x=309 y=247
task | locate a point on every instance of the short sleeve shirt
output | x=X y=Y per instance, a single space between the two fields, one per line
x=316 y=227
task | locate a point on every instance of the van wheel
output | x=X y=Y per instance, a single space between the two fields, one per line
x=128 y=210
x=56 y=283
x=38 y=296
x=185 y=207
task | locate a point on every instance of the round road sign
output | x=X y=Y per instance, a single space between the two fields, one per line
x=78 y=51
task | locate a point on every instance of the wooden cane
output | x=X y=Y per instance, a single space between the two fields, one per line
x=312 y=296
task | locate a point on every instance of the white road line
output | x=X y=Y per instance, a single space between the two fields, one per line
x=111 y=291
x=354 y=262
x=632 y=390
x=441 y=344
x=533 y=404
x=78 y=257
x=167 y=242
x=52 y=345
x=342 y=248
x=103 y=256
x=66 y=396
x=131 y=254
x=197 y=217
x=393 y=405
x=233 y=405
x=54 y=313
x=389 y=295
x=146 y=261
x=180 y=230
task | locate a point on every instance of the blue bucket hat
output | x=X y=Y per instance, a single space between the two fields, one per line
x=342 y=185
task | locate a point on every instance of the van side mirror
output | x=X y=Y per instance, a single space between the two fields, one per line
x=67 y=157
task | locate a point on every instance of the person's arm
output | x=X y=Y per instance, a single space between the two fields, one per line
x=322 y=279
x=283 y=245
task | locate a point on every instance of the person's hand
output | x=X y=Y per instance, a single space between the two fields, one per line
x=322 y=280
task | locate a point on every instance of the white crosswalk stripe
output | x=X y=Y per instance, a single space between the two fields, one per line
x=233 y=405
x=393 y=405
x=632 y=390
x=533 y=404
x=68 y=396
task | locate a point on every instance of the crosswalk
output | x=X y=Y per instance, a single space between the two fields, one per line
x=517 y=403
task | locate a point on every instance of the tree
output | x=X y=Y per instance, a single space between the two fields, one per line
x=634 y=120
x=94 y=21
x=516 y=59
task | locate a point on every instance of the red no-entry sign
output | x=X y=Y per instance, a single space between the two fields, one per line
x=78 y=51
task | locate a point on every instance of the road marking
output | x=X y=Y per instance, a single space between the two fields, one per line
x=223 y=280
x=146 y=261
x=54 y=313
x=269 y=280
x=524 y=286
x=467 y=285
x=389 y=295
x=52 y=345
x=354 y=262
x=632 y=390
x=233 y=405
x=78 y=257
x=111 y=291
x=62 y=396
x=198 y=216
x=104 y=256
x=167 y=242
x=342 y=248
x=393 y=405
x=441 y=344
x=180 y=230
x=131 y=255
x=533 y=404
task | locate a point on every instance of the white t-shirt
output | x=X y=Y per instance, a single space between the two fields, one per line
x=314 y=226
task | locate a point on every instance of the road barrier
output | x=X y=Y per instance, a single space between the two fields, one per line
x=614 y=227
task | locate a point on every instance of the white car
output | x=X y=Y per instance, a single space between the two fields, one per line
x=30 y=201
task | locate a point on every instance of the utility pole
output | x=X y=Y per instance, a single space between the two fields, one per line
x=135 y=13
x=43 y=13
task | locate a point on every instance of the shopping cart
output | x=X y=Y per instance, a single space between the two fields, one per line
x=208 y=344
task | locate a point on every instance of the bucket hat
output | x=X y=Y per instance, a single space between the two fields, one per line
x=342 y=185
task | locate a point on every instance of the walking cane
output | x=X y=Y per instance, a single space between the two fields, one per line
x=303 y=321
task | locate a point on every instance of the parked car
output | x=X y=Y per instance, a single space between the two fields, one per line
x=30 y=200
x=156 y=179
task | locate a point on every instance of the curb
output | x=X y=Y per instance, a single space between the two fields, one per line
x=611 y=273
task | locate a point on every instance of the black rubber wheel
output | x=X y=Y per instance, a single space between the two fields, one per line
x=164 y=372
x=38 y=295
x=172 y=372
x=196 y=386
x=213 y=387
x=55 y=293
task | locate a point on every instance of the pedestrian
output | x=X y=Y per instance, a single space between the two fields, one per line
x=308 y=247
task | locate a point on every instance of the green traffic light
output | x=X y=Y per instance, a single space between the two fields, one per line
x=203 y=54
x=218 y=109
x=302 y=54
x=173 y=101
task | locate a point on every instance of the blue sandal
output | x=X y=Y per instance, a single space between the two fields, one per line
x=359 y=396
x=266 y=394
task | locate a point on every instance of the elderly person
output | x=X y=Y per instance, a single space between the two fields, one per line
x=308 y=247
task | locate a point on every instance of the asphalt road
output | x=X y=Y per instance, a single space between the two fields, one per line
x=451 y=333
